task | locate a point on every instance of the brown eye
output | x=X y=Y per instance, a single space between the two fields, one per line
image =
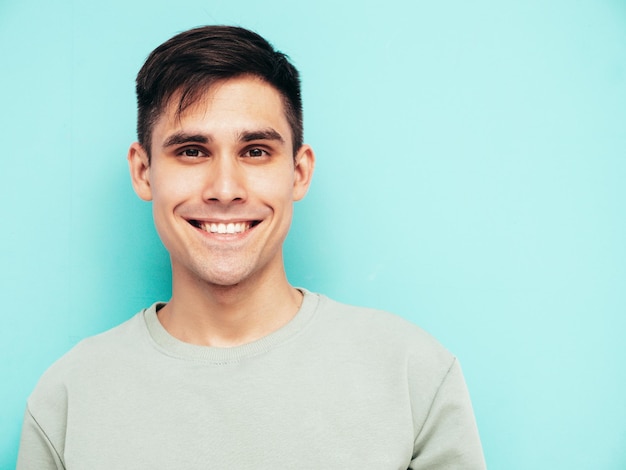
x=255 y=152
x=191 y=153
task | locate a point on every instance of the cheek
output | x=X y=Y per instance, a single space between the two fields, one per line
x=171 y=188
x=273 y=186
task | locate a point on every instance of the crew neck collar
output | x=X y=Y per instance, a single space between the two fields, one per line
x=174 y=347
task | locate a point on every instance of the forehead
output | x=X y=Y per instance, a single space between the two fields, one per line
x=232 y=104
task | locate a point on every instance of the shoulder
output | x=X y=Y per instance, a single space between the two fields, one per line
x=90 y=358
x=71 y=380
x=108 y=344
x=390 y=350
x=383 y=333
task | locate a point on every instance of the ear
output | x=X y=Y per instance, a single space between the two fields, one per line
x=139 y=166
x=303 y=171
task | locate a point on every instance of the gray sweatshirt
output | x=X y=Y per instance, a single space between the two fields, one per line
x=339 y=387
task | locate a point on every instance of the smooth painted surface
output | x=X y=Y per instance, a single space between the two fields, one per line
x=471 y=177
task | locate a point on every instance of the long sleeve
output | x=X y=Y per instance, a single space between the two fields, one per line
x=448 y=439
x=36 y=451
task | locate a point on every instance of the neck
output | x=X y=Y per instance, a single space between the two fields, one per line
x=227 y=316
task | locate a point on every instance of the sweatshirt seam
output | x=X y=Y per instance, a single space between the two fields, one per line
x=45 y=434
x=230 y=361
x=432 y=403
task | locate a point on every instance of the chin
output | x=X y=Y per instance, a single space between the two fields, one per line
x=225 y=278
x=223 y=272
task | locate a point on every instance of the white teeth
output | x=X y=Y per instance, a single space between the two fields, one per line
x=230 y=228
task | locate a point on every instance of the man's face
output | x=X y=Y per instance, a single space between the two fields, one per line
x=223 y=179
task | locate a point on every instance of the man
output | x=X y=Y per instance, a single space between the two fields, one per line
x=240 y=370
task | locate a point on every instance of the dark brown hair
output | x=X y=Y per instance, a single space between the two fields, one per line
x=190 y=62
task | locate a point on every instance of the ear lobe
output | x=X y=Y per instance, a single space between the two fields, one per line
x=139 y=166
x=303 y=171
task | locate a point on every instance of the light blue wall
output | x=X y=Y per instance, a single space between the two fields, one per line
x=471 y=177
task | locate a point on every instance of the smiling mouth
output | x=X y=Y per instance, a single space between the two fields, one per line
x=224 y=228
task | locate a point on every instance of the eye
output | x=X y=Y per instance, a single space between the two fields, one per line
x=255 y=152
x=191 y=152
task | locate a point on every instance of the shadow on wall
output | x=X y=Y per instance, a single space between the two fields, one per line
x=123 y=267
x=306 y=247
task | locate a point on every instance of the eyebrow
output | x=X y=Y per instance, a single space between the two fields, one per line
x=184 y=138
x=261 y=134
x=180 y=138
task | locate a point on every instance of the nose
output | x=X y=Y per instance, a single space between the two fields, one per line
x=225 y=181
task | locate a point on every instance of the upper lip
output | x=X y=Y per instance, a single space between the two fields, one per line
x=220 y=221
